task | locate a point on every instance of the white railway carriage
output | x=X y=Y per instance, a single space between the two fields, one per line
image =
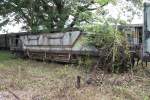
x=63 y=46
x=146 y=35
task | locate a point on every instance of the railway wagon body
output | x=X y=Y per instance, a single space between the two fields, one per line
x=133 y=33
x=134 y=36
x=63 y=46
x=146 y=35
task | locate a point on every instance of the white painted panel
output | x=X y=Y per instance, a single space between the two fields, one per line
x=46 y=41
x=148 y=45
x=148 y=18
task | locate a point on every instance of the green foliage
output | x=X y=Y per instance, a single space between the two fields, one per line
x=103 y=2
x=86 y=63
x=146 y=98
x=45 y=15
x=49 y=15
x=101 y=36
x=4 y=22
x=111 y=46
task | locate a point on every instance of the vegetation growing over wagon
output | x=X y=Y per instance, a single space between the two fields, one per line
x=101 y=57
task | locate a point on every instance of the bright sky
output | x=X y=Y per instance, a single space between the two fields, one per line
x=11 y=28
x=113 y=11
x=116 y=11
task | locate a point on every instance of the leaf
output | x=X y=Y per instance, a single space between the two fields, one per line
x=4 y=22
x=102 y=1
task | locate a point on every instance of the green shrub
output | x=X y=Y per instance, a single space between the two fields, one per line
x=111 y=45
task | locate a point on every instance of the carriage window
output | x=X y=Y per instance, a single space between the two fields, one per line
x=130 y=38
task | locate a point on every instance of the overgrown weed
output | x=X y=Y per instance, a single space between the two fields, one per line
x=31 y=79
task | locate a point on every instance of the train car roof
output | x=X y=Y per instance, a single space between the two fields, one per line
x=19 y=33
x=36 y=33
x=131 y=25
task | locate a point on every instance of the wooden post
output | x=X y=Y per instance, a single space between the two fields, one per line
x=78 y=82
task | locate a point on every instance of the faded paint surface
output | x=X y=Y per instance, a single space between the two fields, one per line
x=146 y=36
x=55 y=42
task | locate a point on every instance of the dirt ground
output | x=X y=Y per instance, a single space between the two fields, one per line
x=32 y=80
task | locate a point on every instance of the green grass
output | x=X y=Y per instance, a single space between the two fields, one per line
x=30 y=79
x=5 y=55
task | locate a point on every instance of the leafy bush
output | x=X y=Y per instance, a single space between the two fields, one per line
x=111 y=45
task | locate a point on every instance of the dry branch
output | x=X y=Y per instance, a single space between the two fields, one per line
x=13 y=94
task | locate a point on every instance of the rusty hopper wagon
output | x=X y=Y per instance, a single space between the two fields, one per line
x=62 y=47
